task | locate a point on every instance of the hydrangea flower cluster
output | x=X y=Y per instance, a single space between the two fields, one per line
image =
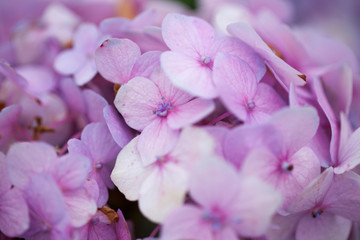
x=223 y=124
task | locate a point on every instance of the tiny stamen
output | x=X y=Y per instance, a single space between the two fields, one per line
x=163 y=108
x=287 y=167
x=205 y=60
x=316 y=213
x=215 y=219
x=98 y=165
x=250 y=105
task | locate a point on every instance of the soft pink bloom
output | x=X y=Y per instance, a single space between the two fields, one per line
x=80 y=60
x=159 y=112
x=161 y=186
x=102 y=152
x=33 y=161
x=194 y=44
x=294 y=165
x=238 y=88
x=225 y=210
x=319 y=211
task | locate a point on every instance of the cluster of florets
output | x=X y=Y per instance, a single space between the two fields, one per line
x=241 y=129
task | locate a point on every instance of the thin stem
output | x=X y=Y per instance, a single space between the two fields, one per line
x=155 y=231
x=219 y=118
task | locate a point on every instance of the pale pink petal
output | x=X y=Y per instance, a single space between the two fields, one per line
x=267 y=101
x=189 y=113
x=325 y=227
x=80 y=207
x=168 y=90
x=27 y=158
x=218 y=133
x=297 y=127
x=14 y=213
x=162 y=191
x=281 y=70
x=102 y=147
x=324 y=104
x=186 y=223
x=45 y=200
x=188 y=74
x=314 y=193
x=40 y=78
x=306 y=167
x=73 y=95
x=85 y=73
x=69 y=61
x=337 y=82
x=210 y=184
x=226 y=233
x=201 y=147
x=86 y=37
x=187 y=35
x=255 y=207
x=95 y=104
x=235 y=82
x=240 y=141
x=238 y=48
x=120 y=132
x=70 y=171
x=263 y=164
x=115 y=26
x=283 y=227
x=156 y=140
x=145 y=64
x=343 y=196
x=5 y=183
x=115 y=59
x=349 y=152
x=136 y=102
x=128 y=174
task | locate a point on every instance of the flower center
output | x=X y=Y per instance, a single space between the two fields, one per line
x=205 y=60
x=250 y=105
x=316 y=213
x=98 y=165
x=162 y=108
x=287 y=167
x=215 y=218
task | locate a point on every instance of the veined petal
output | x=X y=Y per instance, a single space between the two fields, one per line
x=188 y=74
x=235 y=82
x=136 y=101
x=189 y=113
x=115 y=59
x=156 y=140
x=238 y=48
x=327 y=226
x=27 y=158
x=163 y=190
x=14 y=213
x=128 y=174
x=297 y=127
x=187 y=35
x=120 y=132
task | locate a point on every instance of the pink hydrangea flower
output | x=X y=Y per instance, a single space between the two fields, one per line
x=159 y=112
